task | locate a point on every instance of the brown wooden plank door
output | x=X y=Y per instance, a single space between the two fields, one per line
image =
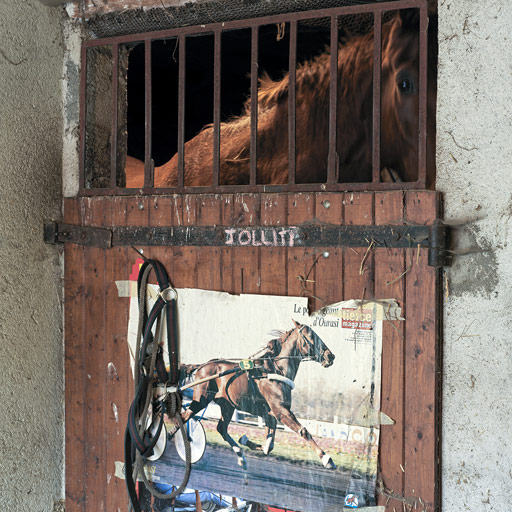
x=98 y=375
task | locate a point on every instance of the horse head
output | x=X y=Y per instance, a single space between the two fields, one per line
x=400 y=96
x=311 y=345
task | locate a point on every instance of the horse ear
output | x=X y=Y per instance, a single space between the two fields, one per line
x=409 y=19
x=296 y=323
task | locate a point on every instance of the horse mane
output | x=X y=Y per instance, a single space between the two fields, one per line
x=314 y=74
x=274 y=347
x=312 y=106
x=278 y=333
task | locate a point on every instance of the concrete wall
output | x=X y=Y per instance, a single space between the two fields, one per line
x=31 y=376
x=475 y=174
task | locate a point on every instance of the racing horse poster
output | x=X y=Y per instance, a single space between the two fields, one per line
x=289 y=402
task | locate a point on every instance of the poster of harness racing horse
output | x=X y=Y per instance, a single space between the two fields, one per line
x=289 y=402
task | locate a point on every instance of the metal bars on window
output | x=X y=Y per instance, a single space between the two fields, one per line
x=112 y=182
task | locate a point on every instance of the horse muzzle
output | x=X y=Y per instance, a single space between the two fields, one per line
x=328 y=359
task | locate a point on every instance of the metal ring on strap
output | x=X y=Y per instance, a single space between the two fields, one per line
x=168 y=291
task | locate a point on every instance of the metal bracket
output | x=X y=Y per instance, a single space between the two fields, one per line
x=55 y=233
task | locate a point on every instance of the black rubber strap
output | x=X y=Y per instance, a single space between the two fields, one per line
x=172 y=341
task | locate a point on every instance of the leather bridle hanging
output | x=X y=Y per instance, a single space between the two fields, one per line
x=150 y=372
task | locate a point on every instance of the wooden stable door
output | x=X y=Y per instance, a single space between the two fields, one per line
x=98 y=377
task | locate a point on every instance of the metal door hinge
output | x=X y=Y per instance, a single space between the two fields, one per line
x=55 y=232
x=433 y=238
x=438 y=253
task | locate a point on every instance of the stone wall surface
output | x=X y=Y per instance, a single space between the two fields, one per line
x=31 y=376
x=474 y=144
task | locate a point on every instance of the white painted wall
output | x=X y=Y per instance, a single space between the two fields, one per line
x=475 y=174
x=31 y=375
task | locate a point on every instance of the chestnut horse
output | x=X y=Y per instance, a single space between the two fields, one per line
x=399 y=120
x=257 y=392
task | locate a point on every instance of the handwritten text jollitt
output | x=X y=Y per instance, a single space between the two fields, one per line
x=270 y=237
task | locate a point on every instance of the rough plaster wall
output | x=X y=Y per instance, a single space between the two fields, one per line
x=72 y=34
x=31 y=382
x=474 y=173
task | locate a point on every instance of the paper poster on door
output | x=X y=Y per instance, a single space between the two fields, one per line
x=289 y=402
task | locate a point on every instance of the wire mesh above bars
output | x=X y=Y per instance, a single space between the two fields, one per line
x=172 y=111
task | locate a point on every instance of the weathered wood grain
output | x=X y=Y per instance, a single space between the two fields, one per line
x=273 y=260
x=226 y=203
x=301 y=268
x=118 y=374
x=93 y=213
x=329 y=270
x=246 y=264
x=74 y=332
x=358 y=262
x=208 y=258
x=390 y=284
x=421 y=358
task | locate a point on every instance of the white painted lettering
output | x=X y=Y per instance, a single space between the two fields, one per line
x=263 y=238
x=255 y=243
x=229 y=233
x=245 y=233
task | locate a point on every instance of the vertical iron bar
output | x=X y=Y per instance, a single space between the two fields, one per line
x=181 y=111
x=333 y=102
x=377 y=76
x=292 y=68
x=83 y=111
x=422 y=142
x=115 y=88
x=254 y=104
x=216 y=107
x=148 y=167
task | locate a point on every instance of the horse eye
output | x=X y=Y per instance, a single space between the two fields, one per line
x=406 y=85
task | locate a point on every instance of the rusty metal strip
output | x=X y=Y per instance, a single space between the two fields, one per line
x=254 y=105
x=148 y=166
x=333 y=102
x=274 y=236
x=292 y=106
x=242 y=189
x=115 y=114
x=422 y=142
x=216 y=107
x=306 y=235
x=377 y=80
x=181 y=110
